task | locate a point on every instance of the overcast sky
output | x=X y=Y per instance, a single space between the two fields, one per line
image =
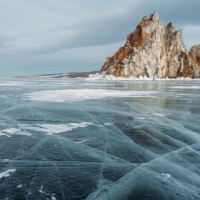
x=60 y=36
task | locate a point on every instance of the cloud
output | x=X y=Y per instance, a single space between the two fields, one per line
x=101 y=31
x=5 y=41
x=40 y=30
x=112 y=27
x=67 y=60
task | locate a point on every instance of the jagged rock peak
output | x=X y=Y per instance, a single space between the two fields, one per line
x=152 y=49
x=154 y=16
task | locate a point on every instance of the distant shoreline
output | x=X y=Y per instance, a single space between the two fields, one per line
x=75 y=75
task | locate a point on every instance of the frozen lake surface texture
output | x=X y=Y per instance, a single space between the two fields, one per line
x=81 y=139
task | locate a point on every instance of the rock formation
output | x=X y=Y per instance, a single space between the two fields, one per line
x=154 y=49
x=194 y=54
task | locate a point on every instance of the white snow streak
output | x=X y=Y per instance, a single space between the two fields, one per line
x=82 y=94
x=7 y=173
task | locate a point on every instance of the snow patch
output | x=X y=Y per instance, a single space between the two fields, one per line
x=107 y=124
x=7 y=173
x=19 y=186
x=2 y=134
x=166 y=176
x=43 y=192
x=51 y=129
x=82 y=94
x=14 y=131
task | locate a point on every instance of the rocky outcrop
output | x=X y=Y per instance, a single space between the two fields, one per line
x=194 y=54
x=153 y=49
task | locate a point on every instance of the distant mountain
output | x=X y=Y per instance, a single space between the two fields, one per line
x=61 y=75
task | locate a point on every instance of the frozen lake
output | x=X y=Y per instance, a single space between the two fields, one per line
x=77 y=139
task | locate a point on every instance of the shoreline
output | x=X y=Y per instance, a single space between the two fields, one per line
x=140 y=78
x=75 y=75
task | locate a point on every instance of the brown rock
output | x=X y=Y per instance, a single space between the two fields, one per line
x=194 y=54
x=187 y=70
x=130 y=37
x=108 y=59
x=120 y=56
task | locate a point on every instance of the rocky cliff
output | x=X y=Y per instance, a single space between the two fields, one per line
x=194 y=54
x=154 y=49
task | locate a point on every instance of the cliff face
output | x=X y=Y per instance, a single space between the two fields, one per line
x=153 y=49
x=194 y=54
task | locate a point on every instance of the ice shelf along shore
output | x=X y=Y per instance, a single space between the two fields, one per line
x=96 y=139
x=98 y=76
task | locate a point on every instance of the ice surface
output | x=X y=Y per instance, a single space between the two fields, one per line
x=12 y=83
x=76 y=139
x=187 y=87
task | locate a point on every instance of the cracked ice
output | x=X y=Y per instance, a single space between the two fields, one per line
x=75 y=139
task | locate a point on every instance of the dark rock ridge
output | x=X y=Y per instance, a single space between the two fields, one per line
x=154 y=49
